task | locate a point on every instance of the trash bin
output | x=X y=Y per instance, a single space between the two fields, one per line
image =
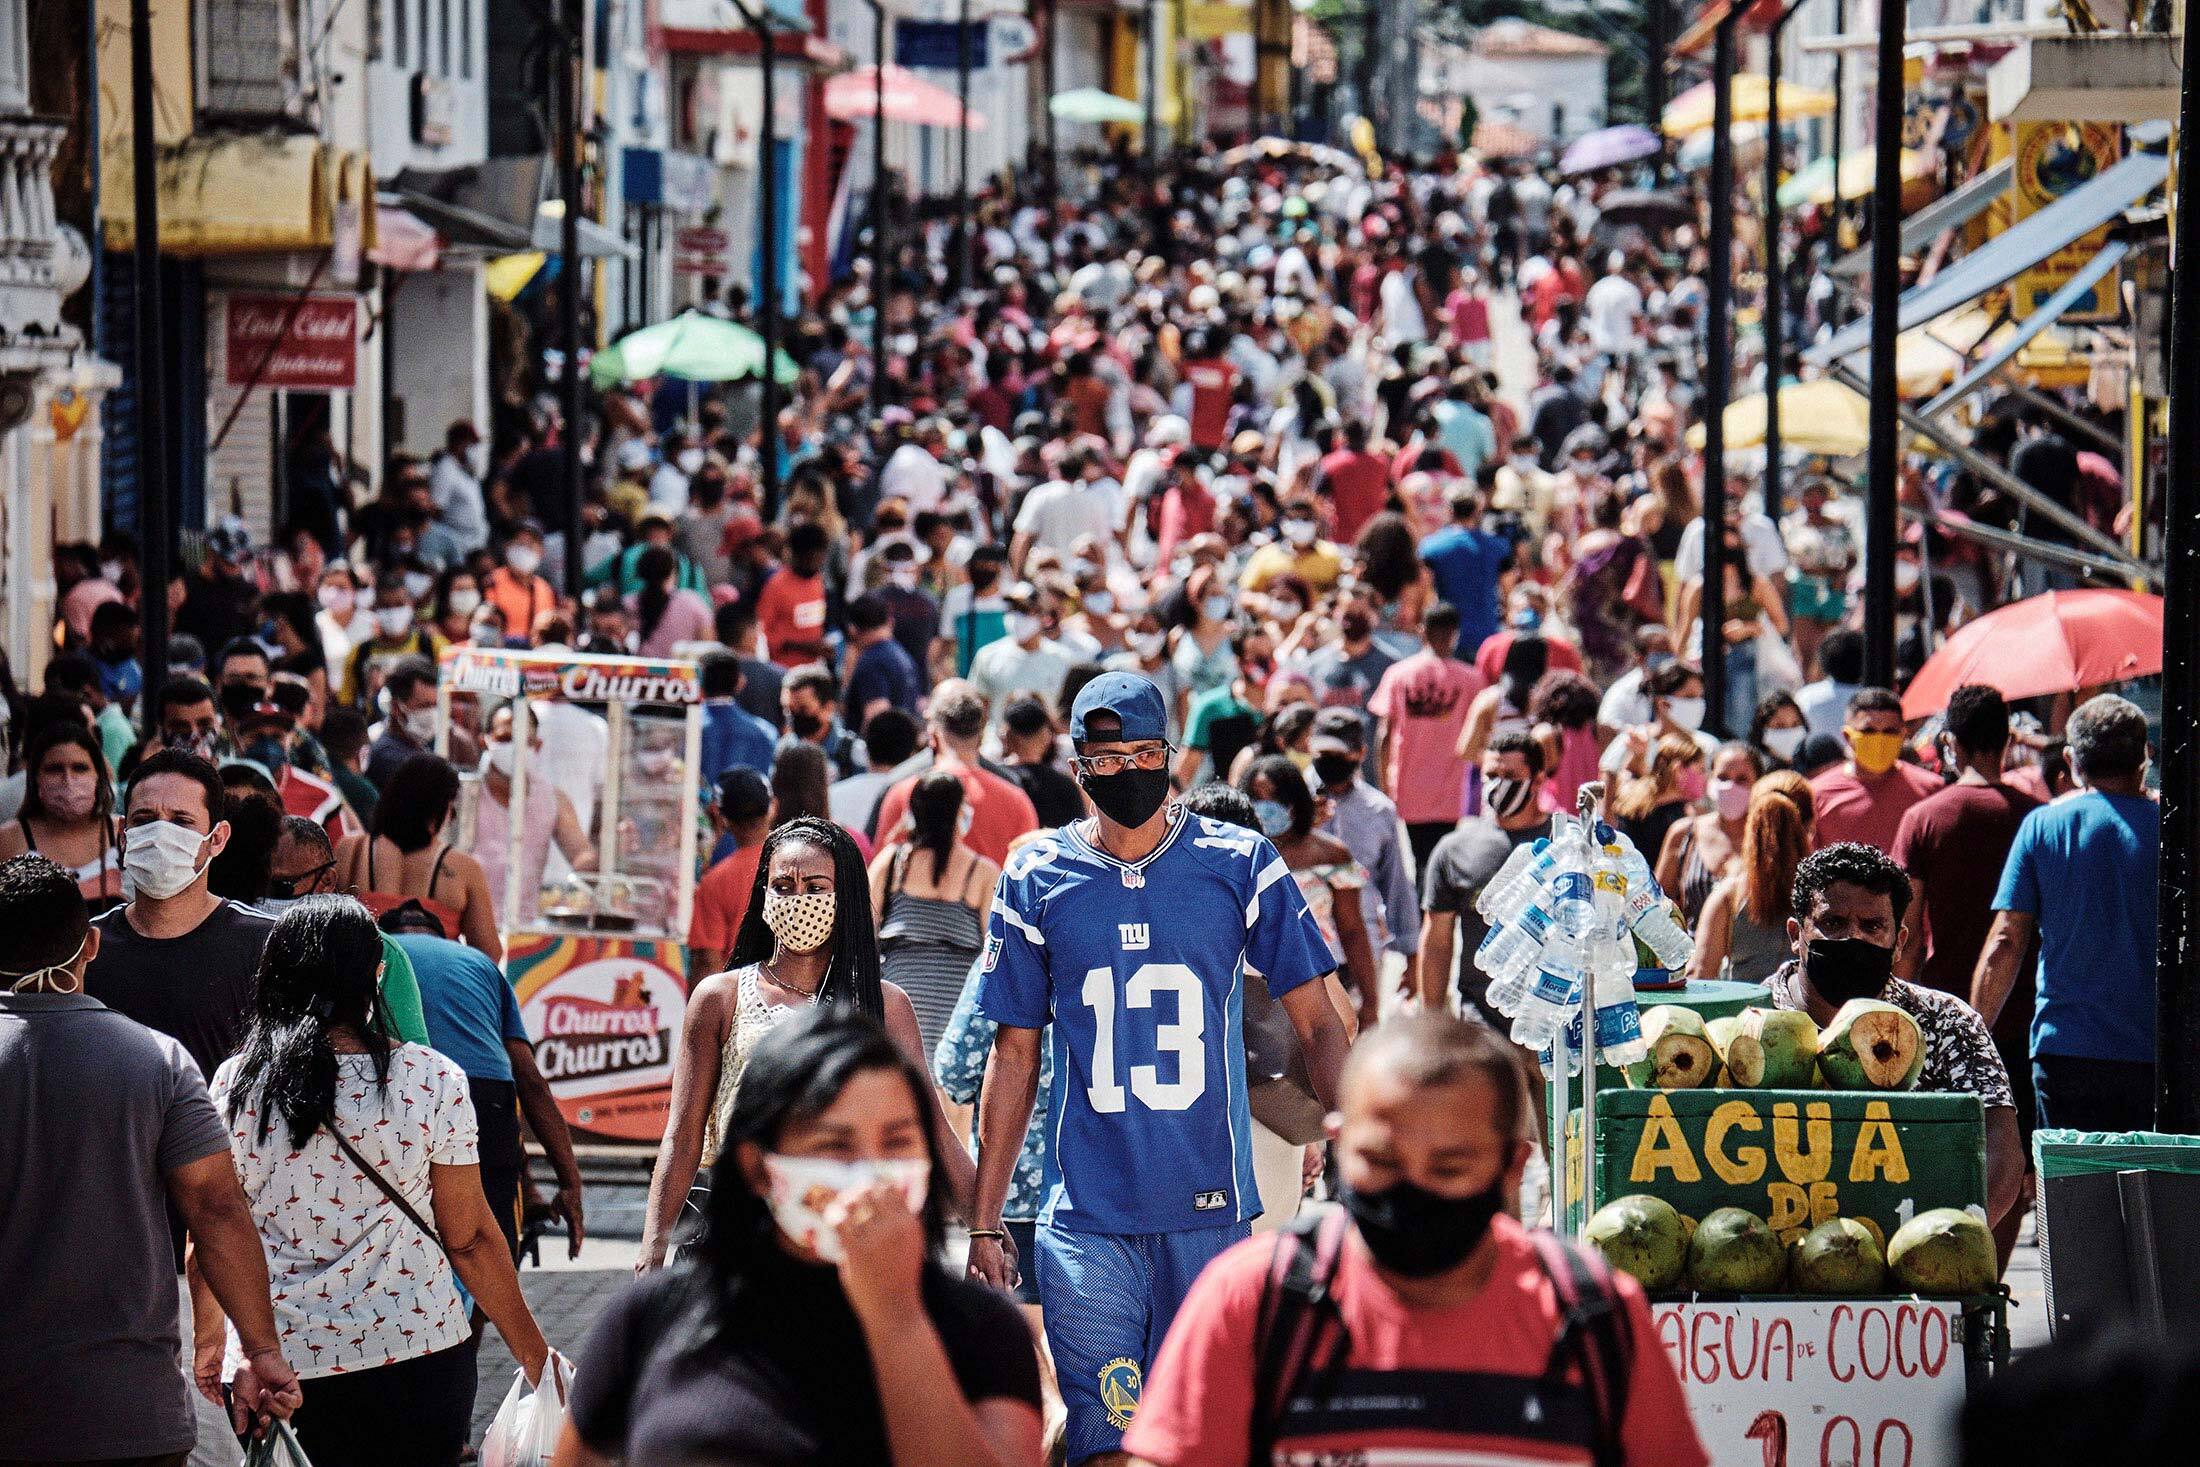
x=2129 y=1201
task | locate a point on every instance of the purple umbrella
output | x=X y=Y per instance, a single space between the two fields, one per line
x=1609 y=147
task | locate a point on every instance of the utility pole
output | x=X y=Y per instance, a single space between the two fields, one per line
x=1653 y=82
x=1718 y=372
x=1775 y=320
x=1835 y=308
x=1885 y=458
x=156 y=529
x=571 y=102
x=879 y=255
x=961 y=266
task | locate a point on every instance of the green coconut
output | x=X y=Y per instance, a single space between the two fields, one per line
x=1734 y=1251
x=1643 y=1236
x=1871 y=1045
x=1678 y=1056
x=1944 y=1252
x=1839 y=1256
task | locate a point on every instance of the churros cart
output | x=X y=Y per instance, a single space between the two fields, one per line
x=597 y=957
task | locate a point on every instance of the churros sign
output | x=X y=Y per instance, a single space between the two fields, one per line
x=576 y=677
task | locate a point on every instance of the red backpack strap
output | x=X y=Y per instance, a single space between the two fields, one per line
x=1298 y=1320
x=1593 y=1337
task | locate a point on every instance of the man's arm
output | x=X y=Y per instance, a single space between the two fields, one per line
x=1321 y=1038
x=548 y=1123
x=1401 y=903
x=229 y=1258
x=1439 y=931
x=1004 y=1114
x=1999 y=962
x=1909 y=953
x=2004 y=1161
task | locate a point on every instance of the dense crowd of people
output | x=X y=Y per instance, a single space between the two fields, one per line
x=1347 y=523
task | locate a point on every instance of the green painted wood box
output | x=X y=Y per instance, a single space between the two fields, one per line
x=1793 y=1157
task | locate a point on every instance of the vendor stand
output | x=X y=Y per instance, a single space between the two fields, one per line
x=1873 y=1380
x=597 y=958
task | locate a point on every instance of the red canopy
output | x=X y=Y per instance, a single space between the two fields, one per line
x=2056 y=643
x=909 y=98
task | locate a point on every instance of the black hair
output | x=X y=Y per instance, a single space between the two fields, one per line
x=241 y=647
x=800 y=780
x=44 y=742
x=1978 y=717
x=1564 y=699
x=72 y=673
x=1874 y=700
x=1841 y=655
x=653 y=567
x=1442 y=619
x=721 y=674
x=1289 y=788
x=417 y=802
x=890 y=736
x=808 y=538
x=182 y=692
x=112 y=616
x=1854 y=864
x=1218 y=801
x=1388 y=555
x=317 y=973
x=1526 y=660
x=852 y=976
x=935 y=815
x=405 y=674
x=795 y=1075
x=1819 y=751
x=311 y=833
x=42 y=916
x=191 y=767
x=1073 y=683
x=1667 y=681
x=742 y=795
x=1768 y=708
x=240 y=869
x=817 y=678
x=343 y=732
x=1026 y=714
x=294 y=609
x=867 y=612
x=1518 y=741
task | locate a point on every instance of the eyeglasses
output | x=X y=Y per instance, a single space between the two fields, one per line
x=1103 y=766
x=283 y=889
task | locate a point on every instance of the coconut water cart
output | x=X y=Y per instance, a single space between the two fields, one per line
x=1713 y=1183
x=597 y=958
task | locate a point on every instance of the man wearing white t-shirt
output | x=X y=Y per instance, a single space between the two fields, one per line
x=1025 y=660
x=913 y=473
x=1613 y=312
x=1083 y=501
x=1761 y=542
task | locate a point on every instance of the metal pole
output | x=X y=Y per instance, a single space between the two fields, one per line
x=156 y=532
x=1653 y=83
x=1054 y=142
x=1718 y=374
x=2177 y=987
x=1775 y=318
x=768 y=440
x=1153 y=89
x=1837 y=307
x=569 y=286
x=1885 y=456
x=962 y=150
x=879 y=256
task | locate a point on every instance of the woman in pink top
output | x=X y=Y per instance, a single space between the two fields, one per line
x=667 y=616
x=1422 y=705
x=1562 y=711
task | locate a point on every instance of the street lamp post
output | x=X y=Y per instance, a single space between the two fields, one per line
x=1718 y=370
x=1775 y=312
x=768 y=286
x=156 y=533
x=1153 y=89
x=570 y=271
x=1885 y=454
x=878 y=206
x=1835 y=306
x=961 y=268
x=1653 y=83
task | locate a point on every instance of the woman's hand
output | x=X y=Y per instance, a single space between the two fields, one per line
x=882 y=1248
x=533 y=1356
x=993 y=1261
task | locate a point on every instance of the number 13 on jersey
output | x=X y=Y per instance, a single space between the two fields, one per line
x=1174 y=996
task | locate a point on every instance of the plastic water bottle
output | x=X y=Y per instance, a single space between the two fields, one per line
x=1560 y=980
x=1511 y=951
x=1505 y=893
x=1548 y=1055
x=1612 y=965
x=1647 y=916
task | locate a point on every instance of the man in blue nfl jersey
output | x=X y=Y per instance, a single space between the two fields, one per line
x=1131 y=932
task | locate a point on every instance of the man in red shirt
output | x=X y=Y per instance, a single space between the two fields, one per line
x=1354 y=481
x=791 y=607
x=742 y=808
x=999 y=809
x=1213 y=382
x=1442 y=1295
x=1864 y=797
x=263 y=736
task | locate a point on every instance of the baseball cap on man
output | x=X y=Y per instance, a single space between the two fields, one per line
x=1131 y=702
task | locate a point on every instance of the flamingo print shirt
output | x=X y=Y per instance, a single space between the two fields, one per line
x=355 y=1282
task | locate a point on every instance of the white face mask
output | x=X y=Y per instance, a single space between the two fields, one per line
x=1905 y=574
x=523 y=559
x=1300 y=532
x=1099 y=603
x=499 y=758
x=1687 y=712
x=337 y=599
x=1785 y=741
x=419 y=724
x=1150 y=646
x=161 y=858
x=1022 y=626
x=803 y=923
x=394 y=621
x=464 y=602
x=418 y=586
x=803 y=1190
x=690 y=460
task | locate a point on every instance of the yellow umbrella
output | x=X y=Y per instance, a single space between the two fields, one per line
x=1813 y=182
x=1691 y=110
x=507 y=275
x=1822 y=417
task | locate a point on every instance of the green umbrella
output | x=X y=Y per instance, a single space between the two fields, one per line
x=1090 y=104
x=692 y=345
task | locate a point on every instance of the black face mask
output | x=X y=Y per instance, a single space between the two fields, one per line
x=1335 y=768
x=1415 y=1233
x=805 y=725
x=1130 y=798
x=1842 y=968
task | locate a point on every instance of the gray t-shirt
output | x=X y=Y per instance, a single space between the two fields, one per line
x=95 y=1112
x=1458 y=869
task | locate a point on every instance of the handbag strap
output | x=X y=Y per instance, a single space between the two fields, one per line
x=382 y=1185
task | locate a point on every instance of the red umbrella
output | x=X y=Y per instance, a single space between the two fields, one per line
x=2056 y=643
x=909 y=98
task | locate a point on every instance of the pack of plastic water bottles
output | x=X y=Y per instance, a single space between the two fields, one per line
x=1565 y=913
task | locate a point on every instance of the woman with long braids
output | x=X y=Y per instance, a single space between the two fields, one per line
x=808 y=941
x=813 y=1320
x=359 y=1159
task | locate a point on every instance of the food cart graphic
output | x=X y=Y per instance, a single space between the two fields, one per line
x=594 y=946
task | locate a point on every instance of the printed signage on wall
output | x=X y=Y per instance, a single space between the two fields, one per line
x=2053 y=158
x=1862 y=1383
x=308 y=344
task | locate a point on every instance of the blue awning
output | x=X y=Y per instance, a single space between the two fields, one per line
x=2012 y=252
x=2077 y=288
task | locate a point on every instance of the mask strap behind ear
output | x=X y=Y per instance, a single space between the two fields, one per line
x=24 y=982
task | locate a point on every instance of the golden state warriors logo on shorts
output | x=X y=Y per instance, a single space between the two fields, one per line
x=1120 y=1380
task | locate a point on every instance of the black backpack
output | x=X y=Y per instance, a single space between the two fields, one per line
x=1300 y=1334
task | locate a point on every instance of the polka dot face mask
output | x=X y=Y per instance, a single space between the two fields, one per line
x=802 y=923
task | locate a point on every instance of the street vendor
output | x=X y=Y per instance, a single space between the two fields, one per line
x=1850 y=900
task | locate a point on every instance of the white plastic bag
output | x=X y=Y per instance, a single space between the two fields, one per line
x=525 y=1432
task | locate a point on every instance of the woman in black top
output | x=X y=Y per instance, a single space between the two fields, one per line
x=813 y=1322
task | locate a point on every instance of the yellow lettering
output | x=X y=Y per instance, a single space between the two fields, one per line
x=1790 y=1208
x=1825 y=1206
x=1878 y=1149
x=1797 y=1164
x=1663 y=1147
x=1745 y=1165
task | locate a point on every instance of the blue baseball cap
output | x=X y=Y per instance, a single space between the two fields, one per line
x=1134 y=702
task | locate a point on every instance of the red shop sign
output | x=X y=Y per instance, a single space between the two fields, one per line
x=309 y=343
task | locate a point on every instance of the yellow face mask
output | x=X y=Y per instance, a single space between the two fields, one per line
x=1875 y=753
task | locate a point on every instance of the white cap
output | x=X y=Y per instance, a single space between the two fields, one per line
x=1167 y=429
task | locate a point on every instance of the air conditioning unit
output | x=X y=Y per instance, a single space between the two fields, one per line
x=249 y=59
